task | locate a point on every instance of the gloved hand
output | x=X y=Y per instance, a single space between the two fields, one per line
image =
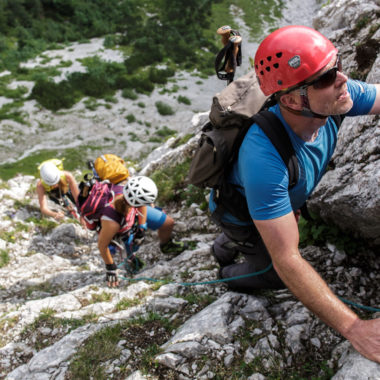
x=139 y=237
x=111 y=275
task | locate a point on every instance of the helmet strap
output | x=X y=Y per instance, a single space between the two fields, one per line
x=306 y=111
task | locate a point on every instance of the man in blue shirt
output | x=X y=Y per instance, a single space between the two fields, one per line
x=302 y=69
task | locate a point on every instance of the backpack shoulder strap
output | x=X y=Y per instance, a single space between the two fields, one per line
x=338 y=119
x=276 y=132
x=229 y=198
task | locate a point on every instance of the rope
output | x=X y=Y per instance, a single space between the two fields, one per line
x=368 y=308
x=202 y=282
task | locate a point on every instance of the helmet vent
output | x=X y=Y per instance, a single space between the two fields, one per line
x=279 y=55
x=261 y=72
x=276 y=65
x=269 y=58
x=267 y=68
x=261 y=62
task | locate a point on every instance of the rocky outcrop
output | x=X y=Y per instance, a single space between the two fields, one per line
x=348 y=195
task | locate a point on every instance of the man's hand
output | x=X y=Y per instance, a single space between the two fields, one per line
x=111 y=275
x=365 y=337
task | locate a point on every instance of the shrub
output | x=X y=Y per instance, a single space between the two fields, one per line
x=164 y=109
x=128 y=93
x=184 y=100
x=54 y=96
x=142 y=83
x=131 y=118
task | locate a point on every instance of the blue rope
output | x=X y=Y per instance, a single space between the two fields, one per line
x=374 y=309
x=203 y=282
x=369 y=308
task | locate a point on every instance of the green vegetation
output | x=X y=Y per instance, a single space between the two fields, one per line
x=317 y=232
x=6 y=324
x=45 y=287
x=165 y=132
x=361 y=23
x=184 y=100
x=43 y=225
x=201 y=300
x=28 y=28
x=172 y=186
x=130 y=118
x=128 y=93
x=4 y=258
x=183 y=140
x=126 y=303
x=103 y=346
x=47 y=319
x=101 y=297
x=75 y=158
x=164 y=109
x=257 y=14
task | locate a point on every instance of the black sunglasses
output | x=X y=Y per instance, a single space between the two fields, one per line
x=327 y=78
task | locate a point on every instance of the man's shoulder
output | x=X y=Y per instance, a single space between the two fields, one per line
x=363 y=96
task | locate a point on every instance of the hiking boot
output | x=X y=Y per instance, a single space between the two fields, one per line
x=173 y=246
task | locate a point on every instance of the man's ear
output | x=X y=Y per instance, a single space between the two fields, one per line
x=291 y=100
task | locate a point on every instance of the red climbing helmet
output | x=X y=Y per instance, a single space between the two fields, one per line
x=290 y=55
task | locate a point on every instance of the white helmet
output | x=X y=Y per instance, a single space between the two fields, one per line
x=140 y=191
x=50 y=174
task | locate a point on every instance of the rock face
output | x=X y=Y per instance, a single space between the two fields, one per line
x=59 y=321
x=56 y=309
x=348 y=194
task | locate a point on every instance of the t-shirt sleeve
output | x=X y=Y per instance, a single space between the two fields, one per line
x=264 y=177
x=363 y=96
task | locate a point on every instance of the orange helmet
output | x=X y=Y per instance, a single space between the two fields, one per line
x=289 y=56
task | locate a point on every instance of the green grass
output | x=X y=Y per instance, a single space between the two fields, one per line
x=126 y=303
x=165 y=132
x=43 y=225
x=4 y=258
x=75 y=158
x=103 y=346
x=101 y=297
x=47 y=319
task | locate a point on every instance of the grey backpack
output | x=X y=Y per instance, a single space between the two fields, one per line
x=237 y=102
x=230 y=117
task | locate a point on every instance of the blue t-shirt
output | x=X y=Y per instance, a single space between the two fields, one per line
x=263 y=175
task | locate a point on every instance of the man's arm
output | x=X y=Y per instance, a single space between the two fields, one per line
x=281 y=238
x=375 y=110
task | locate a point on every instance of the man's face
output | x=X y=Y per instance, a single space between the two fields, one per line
x=333 y=99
